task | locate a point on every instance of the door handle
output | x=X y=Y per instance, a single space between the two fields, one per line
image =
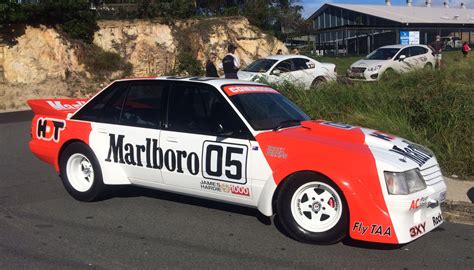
x=172 y=139
x=102 y=130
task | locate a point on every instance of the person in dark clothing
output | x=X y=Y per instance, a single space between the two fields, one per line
x=231 y=63
x=437 y=46
x=211 y=70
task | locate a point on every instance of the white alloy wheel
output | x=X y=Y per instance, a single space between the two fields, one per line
x=80 y=172
x=316 y=207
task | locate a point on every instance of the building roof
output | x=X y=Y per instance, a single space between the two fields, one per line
x=410 y=15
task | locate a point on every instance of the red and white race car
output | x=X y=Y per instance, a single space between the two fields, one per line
x=242 y=143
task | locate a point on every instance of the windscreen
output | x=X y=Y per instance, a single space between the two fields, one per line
x=260 y=66
x=266 y=110
x=383 y=54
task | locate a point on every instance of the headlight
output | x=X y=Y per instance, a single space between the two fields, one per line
x=403 y=183
x=374 y=68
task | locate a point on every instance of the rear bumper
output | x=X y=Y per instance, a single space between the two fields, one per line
x=44 y=153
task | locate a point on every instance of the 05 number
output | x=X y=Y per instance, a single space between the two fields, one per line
x=225 y=162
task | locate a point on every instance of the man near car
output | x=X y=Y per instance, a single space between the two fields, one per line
x=231 y=63
x=437 y=46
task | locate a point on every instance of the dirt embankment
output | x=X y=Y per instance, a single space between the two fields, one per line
x=45 y=63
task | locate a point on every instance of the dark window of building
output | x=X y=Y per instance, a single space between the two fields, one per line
x=144 y=106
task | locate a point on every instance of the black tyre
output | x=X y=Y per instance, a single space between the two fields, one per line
x=388 y=74
x=318 y=82
x=312 y=209
x=80 y=172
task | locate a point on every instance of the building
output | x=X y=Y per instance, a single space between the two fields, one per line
x=359 y=29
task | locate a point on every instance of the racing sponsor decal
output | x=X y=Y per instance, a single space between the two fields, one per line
x=155 y=156
x=225 y=162
x=375 y=229
x=225 y=188
x=382 y=136
x=418 y=229
x=231 y=90
x=277 y=152
x=221 y=161
x=58 y=105
x=417 y=203
x=437 y=220
x=412 y=152
x=337 y=125
x=48 y=129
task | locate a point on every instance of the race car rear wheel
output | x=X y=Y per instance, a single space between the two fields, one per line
x=312 y=209
x=80 y=172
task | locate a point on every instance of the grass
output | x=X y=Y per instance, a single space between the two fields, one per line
x=433 y=108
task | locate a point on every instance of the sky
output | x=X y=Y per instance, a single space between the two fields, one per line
x=310 y=6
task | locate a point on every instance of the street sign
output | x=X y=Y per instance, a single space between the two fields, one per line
x=409 y=37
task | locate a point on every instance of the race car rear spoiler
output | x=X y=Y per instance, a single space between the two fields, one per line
x=56 y=107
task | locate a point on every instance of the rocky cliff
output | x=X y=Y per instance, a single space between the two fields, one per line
x=44 y=63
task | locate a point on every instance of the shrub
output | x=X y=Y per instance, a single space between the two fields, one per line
x=102 y=63
x=188 y=64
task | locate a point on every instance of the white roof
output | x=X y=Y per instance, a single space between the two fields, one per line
x=283 y=56
x=415 y=14
x=217 y=82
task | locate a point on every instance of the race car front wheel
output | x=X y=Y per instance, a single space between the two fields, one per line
x=80 y=172
x=312 y=209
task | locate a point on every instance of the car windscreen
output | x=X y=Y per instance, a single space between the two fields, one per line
x=260 y=65
x=266 y=111
x=383 y=54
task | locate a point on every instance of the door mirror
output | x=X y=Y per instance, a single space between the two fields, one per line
x=276 y=72
x=402 y=57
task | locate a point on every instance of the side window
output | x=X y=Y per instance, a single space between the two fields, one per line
x=302 y=64
x=405 y=52
x=417 y=51
x=203 y=111
x=144 y=105
x=94 y=109
x=285 y=66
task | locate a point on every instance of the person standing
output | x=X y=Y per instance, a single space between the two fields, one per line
x=231 y=63
x=211 y=70
x=437 y=46
x=465 y=49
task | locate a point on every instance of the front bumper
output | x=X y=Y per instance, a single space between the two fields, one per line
x=363 y=76
x=416 y=214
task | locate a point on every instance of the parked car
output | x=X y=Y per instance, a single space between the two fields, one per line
x=392 y=58
x=293 y=68
x=242 y=143
x=451 y=43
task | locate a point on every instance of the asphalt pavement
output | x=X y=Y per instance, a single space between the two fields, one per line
x=42 y=227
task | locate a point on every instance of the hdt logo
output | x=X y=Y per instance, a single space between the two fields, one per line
x=49 y=129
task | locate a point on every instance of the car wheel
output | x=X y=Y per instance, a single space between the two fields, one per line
x=388 y=74
x=318 y=82
x=80 y=172
x=312 y=209
x=428 y=66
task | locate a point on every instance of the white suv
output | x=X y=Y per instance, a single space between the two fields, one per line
x=396 y=58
